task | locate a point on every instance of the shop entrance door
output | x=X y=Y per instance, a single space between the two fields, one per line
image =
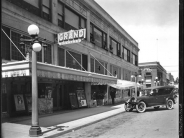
x=61 y=102
x=4 y=98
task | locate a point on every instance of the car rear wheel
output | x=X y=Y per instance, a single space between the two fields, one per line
x=141 y=107
x=169 y=104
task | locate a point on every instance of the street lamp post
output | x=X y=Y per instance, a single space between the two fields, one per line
x=142 y=81
x=156 y=81
x=135 y=75
x=33 y=31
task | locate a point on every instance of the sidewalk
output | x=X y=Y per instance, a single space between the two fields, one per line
x=58 y=124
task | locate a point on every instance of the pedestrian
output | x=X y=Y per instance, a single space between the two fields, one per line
x=94 y=96
x=112 y=93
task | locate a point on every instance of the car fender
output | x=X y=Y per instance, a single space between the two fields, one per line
x=168 y=99
x=141 y=100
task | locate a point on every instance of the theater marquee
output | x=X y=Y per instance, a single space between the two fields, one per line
x=73 y=36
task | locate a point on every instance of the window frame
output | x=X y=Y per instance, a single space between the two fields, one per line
x=92 y=37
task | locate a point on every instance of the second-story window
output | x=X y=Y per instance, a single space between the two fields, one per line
x=48 y=54
x=126 y=54
x=41 y=8
x=60 y=14
x=118 y=50
x=135 y=61
x=98 y=37
x=46 y=9
x=73 y=21
x=114 y=47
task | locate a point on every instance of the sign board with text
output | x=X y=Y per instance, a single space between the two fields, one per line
x=73 y=36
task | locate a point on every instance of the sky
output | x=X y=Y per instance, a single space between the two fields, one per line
x=154 y=24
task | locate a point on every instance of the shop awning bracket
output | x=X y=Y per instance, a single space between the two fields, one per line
x=101 y=64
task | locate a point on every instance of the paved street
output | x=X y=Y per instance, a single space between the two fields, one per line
x=153 y=123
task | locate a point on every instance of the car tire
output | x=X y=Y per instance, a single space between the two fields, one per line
x=141 y=107
x=156 y=107
x=127 y=108
x=169 y=104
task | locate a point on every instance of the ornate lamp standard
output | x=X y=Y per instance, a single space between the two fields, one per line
x=35 y=45
x=142 y=81
x=156 y=81
x=135 y=75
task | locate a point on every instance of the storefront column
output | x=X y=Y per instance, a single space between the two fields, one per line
x=89 y=62
x=88 y=93
x=55 y=54
x=108 y=94
x=54 y=4
x=108 y=68
x=88 y=26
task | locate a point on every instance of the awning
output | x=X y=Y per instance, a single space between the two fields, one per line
x=123 y=84
x=23 y=68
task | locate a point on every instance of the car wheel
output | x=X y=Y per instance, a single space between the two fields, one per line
x=169 y=104
x=128 y=108
x=156 y=107
x=141 y=107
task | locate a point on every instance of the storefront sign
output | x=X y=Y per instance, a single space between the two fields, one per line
x=73 y=36
x=148 y=70
x=15 y=73
x=49 y=74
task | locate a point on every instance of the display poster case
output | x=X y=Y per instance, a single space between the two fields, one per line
x=29 y=102
x=73 y=100
x=19 y=102
x=45 y=100
x=81 y=98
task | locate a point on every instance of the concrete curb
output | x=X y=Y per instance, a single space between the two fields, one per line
x=97 y=118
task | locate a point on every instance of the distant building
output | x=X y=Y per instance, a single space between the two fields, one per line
x=170 y=78
x=149 y=72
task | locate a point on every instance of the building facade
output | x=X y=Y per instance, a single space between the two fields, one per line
x=170 y=78
x=149 y=72
x=68 y=75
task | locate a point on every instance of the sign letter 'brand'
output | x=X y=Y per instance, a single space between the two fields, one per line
x=73 y=36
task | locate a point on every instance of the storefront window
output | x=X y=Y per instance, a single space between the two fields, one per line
x=61 y=57
x=92 y=65
x=98 y=67
x=47 y=54
x=5 y=44
x=16 y=55
x=71 y=62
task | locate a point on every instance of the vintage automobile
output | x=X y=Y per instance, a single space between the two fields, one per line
x=153 y=97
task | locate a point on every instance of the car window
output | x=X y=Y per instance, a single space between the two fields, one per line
x=165 y=91
x=146 y=92
x=168 y=90
x=161 y=91
x=154 y=92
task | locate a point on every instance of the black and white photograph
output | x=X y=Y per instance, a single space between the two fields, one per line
x=92 y=68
